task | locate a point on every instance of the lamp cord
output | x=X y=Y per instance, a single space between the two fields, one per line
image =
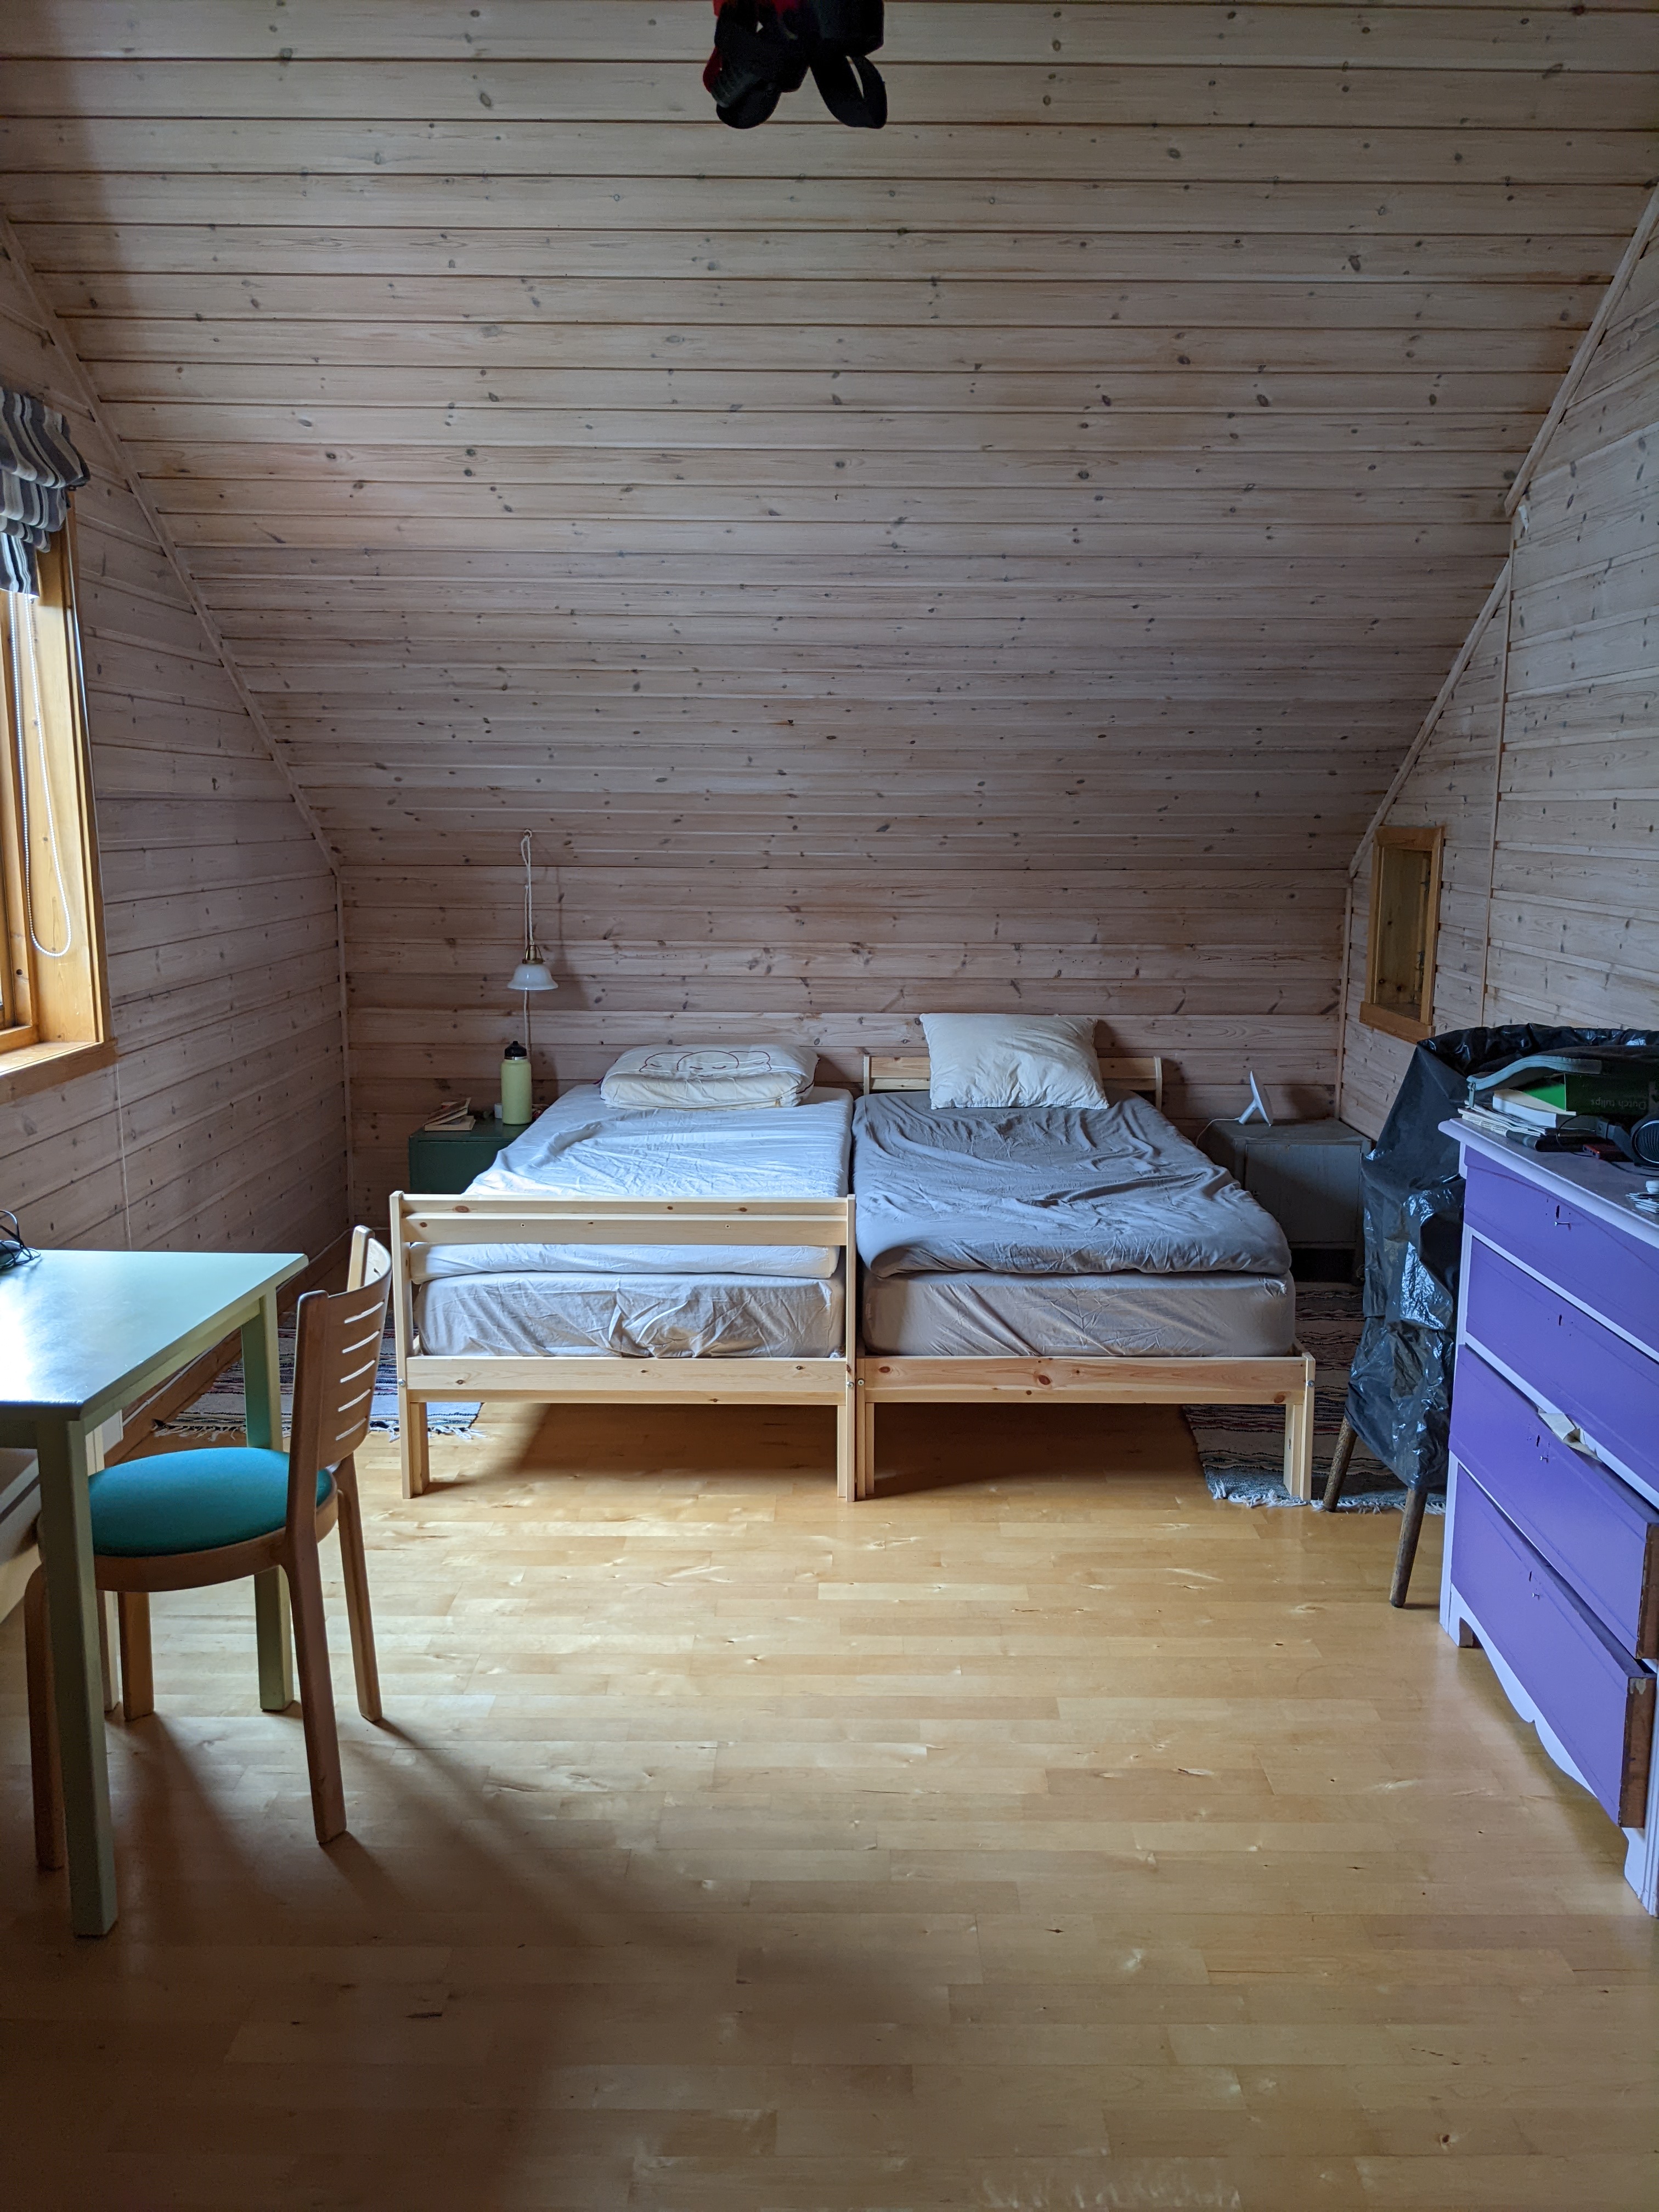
x=529 y=950
x=13 y=1250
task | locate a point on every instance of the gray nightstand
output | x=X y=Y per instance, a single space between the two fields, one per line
x=1306 y=1175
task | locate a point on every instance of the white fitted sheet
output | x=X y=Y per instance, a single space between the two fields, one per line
x=581 y=1147
x=542 y=1313
x=1131 y=1316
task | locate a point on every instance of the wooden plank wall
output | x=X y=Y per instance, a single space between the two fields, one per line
x=222 y=1122
x=996 y=559
x=1544 y=764
x=1217 y=967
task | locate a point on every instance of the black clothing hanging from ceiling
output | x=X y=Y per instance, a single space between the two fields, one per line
x=764 y=48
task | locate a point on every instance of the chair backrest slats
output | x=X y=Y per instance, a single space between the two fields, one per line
x=336 y=1358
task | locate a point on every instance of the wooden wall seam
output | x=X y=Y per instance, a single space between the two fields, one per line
x=11 y=247
x=1431 y=720
x=47 y=316
x=1566 y=699
x=222 y=1121
x=1587 y=347
x=1519 y=528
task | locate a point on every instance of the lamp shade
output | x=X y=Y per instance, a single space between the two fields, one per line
x=531 y=975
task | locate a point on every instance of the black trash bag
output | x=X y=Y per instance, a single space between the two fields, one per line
x=1400 y=1386
x=764 y=48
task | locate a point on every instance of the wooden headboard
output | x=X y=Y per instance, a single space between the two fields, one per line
x=909 y=1072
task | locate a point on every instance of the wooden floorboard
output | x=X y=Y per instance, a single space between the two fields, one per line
x=1040 y=1834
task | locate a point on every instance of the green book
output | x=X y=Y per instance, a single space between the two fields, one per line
x=1616 y=1091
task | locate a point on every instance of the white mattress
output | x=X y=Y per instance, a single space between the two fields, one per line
x=581 y=1147
x=985 y=1316
x=633 y=1316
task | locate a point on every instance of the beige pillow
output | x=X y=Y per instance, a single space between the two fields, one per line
x=709 y=1075
x=1012 y=1059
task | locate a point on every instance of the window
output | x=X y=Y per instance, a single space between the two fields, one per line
x=1405 y=921
x=54 y=1007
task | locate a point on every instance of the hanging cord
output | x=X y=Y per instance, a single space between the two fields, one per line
x=529 y=942
x=46 y=952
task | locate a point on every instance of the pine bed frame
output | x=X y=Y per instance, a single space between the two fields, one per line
x=886 y=1380
x=609 y=1378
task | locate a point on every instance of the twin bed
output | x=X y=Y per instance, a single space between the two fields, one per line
x=710 y=1256
x=697 y=1256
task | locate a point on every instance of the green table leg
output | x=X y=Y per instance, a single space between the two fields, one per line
x=262 y=1401
x=65 y=1534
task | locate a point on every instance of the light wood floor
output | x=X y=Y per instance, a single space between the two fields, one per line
x=1041 y=1835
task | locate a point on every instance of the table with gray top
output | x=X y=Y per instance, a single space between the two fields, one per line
x=83 y=1334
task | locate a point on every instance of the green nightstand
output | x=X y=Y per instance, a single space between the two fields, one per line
x=447 y=1159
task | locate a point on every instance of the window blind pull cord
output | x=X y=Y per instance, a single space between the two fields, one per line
x=32 y=717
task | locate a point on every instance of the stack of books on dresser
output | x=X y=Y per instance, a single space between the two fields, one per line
x=1548 y=1100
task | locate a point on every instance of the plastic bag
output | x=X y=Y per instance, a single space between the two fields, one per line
x=1400 y=1386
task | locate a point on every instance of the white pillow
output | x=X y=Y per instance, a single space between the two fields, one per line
x=706 y=1075
x=1012 y=1059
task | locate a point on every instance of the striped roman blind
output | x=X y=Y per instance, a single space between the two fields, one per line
x=38 y=466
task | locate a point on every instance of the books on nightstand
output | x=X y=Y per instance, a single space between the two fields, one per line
x=454 y=1114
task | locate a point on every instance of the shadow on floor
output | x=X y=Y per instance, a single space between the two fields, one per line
x=918 y=1448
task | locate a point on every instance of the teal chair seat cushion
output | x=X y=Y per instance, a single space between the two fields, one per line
x=190 y=1501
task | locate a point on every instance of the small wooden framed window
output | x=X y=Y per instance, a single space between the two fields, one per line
x=54 y=997
x=1405 y=922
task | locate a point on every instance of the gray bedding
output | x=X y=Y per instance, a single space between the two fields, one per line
x=1037 y=1190
x=541 y=1314
x=1080 y=1317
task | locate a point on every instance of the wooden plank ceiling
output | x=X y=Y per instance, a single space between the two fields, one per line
x=1094 y=471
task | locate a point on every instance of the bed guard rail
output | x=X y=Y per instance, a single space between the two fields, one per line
x=523 y=1218
x=508 y=1217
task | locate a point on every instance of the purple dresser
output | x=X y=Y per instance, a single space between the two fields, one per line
x=1551 y=1559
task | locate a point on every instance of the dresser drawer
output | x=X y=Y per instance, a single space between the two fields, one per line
x=1607 y=1386
x=1617 y=1275
x=1598 y=1534
x=1598 y=1702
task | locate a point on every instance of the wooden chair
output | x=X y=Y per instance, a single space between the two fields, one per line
x=1411 y=1519
x=164 y=1521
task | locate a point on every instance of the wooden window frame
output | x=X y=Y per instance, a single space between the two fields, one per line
x=54 y=1011
x=1413 y=1028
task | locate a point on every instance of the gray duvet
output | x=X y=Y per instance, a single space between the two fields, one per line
x=1040 y=1190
